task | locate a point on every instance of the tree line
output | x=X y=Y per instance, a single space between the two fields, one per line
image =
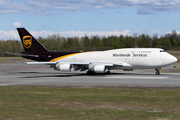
x=95 y=43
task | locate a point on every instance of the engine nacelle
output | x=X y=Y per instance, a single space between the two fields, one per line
x=65 y=67
x=99 y=69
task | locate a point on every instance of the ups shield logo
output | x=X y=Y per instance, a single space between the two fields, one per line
x=27 y=41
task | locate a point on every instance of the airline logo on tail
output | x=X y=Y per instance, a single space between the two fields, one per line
x=27 y=41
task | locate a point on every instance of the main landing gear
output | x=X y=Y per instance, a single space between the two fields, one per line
x=157 y=71
x=89 y=72
x=108 y=72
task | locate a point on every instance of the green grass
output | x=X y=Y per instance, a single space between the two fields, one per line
x=88 y=103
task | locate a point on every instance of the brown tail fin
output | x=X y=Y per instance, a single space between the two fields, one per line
x=30 y=44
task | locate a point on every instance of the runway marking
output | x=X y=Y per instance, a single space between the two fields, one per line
x=135 y=77
x=5 y=84
x=9 y=84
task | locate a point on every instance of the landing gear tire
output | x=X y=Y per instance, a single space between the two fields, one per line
x=90 y=72
x=108 y=72
x=157 y=72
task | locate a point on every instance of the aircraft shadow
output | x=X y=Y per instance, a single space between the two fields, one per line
x=46 y=75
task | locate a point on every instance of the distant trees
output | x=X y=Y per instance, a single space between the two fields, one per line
x=10 y=46
x=57 y=43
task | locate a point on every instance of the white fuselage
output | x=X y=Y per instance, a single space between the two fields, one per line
x=130 y=58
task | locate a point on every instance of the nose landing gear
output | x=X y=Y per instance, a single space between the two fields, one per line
x=157 y=71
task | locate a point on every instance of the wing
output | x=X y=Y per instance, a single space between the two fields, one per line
x=98 y=67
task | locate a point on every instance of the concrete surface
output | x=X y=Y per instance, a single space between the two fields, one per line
x=38 y=75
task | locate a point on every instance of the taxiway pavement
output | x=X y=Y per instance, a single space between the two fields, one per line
x=38 y=75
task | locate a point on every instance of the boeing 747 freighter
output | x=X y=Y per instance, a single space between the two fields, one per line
x=96 y=61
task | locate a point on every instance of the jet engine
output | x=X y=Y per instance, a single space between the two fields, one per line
x=65 y=67
x=100 y=69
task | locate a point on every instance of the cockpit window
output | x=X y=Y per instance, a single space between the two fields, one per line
x=162 y=51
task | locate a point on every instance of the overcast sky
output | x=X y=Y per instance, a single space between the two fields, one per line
x=88 y=17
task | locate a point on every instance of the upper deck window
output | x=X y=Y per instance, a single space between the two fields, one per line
x=162 y=51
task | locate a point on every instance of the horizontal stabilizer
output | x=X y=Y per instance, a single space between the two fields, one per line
x=19 y=54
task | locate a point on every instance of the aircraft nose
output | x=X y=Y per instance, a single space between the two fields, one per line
x=169 y=59
x=172 y=59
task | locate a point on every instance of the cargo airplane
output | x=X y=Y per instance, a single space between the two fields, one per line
x=95 y=61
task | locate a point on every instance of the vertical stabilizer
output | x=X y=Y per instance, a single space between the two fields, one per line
x=30 y=44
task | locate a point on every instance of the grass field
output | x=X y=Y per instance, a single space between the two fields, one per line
x=89 y=103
